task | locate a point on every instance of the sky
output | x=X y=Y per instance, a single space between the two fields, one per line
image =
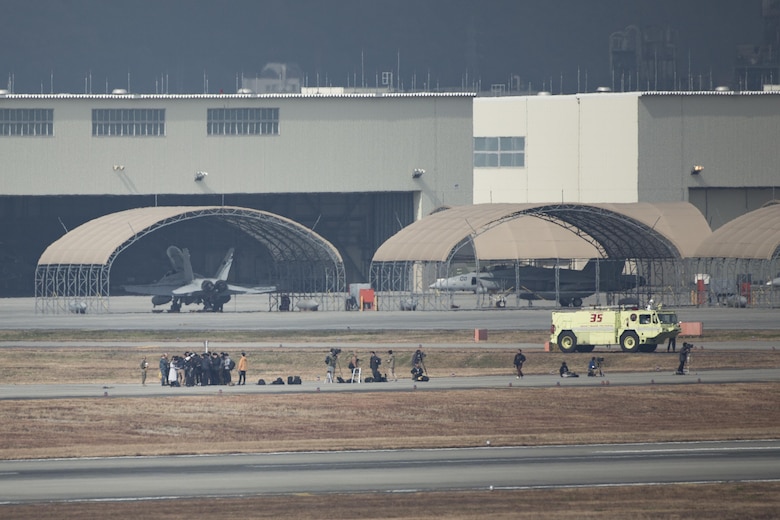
x=192 y=46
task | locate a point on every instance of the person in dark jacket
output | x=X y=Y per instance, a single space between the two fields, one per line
x=565 y=372
x=374 y=363
x=684 y=351
x=518 y=362
x=164 y=367
x=418 y=374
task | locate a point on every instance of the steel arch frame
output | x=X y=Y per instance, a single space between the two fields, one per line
x=308 y=268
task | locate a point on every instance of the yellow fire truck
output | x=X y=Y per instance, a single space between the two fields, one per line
x=634 y=329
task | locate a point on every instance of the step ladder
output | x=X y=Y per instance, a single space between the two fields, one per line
x=356 y=375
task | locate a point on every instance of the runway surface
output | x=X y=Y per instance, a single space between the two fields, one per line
x=394 y=471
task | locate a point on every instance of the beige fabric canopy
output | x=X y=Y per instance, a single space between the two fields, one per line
x=97 y=241
x=755 y=235
x=513 y=231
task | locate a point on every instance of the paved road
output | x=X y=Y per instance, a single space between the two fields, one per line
x=387 y=471
x=445 y=382
x=133 y=313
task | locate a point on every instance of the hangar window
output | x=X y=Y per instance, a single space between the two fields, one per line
x=499 y=152
x=128 y=122
x=242 y=121
x=26 y=122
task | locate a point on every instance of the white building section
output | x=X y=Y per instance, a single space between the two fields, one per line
x=715 y=149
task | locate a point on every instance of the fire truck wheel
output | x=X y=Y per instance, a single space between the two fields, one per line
x=567 y=341
x=629 y=341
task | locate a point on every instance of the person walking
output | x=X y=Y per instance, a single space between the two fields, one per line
x=242 y=366
x=144 y=367
x=391 y=365
x=518 y=362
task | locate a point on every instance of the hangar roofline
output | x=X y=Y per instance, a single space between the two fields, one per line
x=619 y=230
x=278 y=95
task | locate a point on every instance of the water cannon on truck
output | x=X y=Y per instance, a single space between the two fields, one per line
x=634 y=329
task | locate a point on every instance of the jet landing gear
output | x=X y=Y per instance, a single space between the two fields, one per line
x=571 y=302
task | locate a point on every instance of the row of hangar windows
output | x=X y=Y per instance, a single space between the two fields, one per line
x=140 y=122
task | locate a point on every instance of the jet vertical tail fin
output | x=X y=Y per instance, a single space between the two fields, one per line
x=189 y=276
x=176 y=257
x=608 y=267
x=224 y=267
x=611 y=277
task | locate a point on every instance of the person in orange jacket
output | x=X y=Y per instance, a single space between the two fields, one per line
x=242 y=366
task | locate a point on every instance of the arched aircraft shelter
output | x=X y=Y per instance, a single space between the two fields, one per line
x=650 y=238
x=76 y=267
x=739 y=264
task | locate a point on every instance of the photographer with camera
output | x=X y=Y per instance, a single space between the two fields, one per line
x=332 y=360
x=594 y=367
x=418 y=357
x=686 y=349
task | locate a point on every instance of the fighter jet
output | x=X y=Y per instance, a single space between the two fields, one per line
x=182 y=286
x=538 y=283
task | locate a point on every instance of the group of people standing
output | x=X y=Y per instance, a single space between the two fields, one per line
x=374 y=363
x=192 y=369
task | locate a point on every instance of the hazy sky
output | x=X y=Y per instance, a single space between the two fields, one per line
x=59 y=44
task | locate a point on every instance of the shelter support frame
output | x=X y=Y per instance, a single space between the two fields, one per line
x=305 y=266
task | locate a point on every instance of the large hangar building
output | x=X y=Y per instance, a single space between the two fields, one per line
x=353 y=167
x=713 y=150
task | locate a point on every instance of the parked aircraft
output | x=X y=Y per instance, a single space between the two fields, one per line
x=538 y=283
x=182 y=286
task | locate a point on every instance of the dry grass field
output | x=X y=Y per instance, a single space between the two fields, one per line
x=509 y=416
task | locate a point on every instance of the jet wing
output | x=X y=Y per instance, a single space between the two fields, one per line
x=185 y=290
x=237 y=289
x=196 y=287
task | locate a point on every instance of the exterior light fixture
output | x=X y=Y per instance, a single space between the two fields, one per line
x=417 y=173
x=696 y=170
x=200 y=175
